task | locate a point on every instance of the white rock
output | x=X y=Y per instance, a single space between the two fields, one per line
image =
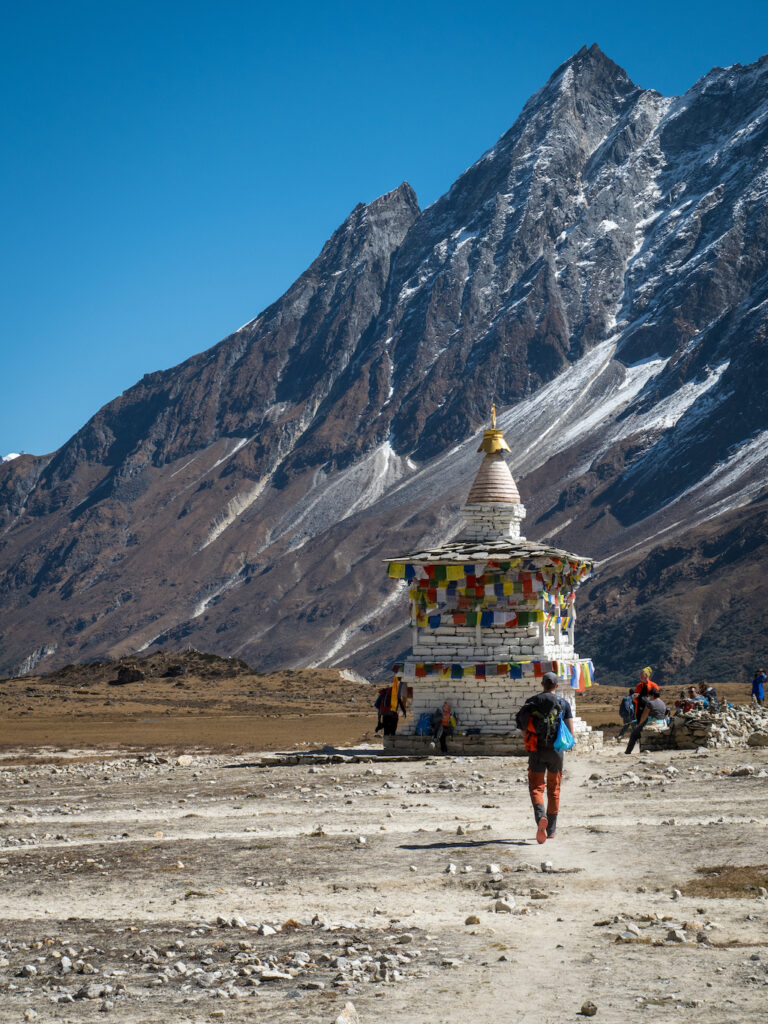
x=348 y=1015
x=492 y=869
x=451 y=869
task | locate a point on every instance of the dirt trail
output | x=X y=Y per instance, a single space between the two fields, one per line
x=121 y=855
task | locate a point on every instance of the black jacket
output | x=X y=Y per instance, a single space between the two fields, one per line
x=543 y=703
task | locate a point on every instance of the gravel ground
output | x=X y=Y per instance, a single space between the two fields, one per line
x=244 y=888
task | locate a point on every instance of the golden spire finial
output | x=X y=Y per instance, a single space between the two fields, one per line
x=493 y=439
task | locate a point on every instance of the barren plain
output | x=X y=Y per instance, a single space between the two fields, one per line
x=189 y=883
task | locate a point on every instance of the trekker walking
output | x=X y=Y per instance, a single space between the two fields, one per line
x=539 y=720
x=758 y=686
x=627 y=713
x=655 y=710
x=395 y=699
x=443 y=722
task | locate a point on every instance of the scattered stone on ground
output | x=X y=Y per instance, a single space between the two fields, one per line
x=146 y=888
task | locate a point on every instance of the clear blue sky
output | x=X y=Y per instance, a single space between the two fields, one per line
x=169 y=168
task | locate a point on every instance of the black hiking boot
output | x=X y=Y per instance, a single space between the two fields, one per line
x=551 y=826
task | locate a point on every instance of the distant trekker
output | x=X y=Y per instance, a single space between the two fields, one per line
x=393 y=700
x=644 y=691
x=444 y=721
x=758 y=686
x=627 y=712
x=539 y=720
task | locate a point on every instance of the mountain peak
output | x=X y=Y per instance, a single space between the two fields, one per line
x=590 y=63
x=582 y=273
x=401 y=199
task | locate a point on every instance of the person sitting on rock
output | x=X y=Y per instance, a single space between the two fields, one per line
x=710 y=695
x=653 y=713
x=686 y=703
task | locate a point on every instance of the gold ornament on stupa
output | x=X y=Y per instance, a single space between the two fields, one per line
x=493 y=438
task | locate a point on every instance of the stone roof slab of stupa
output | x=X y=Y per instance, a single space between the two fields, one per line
x=472 y=551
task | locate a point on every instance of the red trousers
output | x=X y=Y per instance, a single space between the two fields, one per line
x=545 y=767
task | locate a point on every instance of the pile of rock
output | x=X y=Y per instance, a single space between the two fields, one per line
x=729 y=727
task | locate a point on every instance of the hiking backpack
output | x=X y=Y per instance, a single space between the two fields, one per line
x=547 y=725
x=627 y=709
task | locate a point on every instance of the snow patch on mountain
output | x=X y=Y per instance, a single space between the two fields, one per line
x=232 y=510
x=33 y=659
x=333 y=499
x=666 y=413
x=330 y=658
x=235 y=580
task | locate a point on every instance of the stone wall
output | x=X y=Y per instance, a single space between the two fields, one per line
x=477 y=643
x=488 y=704
x=731 y=727
x=484 y=745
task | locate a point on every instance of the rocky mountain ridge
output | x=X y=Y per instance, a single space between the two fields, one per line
x=600 y=272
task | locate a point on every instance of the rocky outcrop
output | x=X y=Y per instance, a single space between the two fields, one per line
x=601 y=272
x=731 y=727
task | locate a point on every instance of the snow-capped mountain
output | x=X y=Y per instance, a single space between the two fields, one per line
x=601 y=272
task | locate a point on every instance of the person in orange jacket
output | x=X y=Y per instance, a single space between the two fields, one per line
x=645 y=690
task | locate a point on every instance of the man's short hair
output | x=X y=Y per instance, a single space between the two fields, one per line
x=550 y=681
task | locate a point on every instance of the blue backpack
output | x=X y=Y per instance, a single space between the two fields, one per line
x=627 y=709
x=424 y=724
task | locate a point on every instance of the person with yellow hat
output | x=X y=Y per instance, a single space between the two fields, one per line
x=645 y=690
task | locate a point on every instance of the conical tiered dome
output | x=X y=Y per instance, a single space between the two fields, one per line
x=493 y=507
x=493 y=483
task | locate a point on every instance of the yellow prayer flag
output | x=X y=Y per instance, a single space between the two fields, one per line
x=396 y=570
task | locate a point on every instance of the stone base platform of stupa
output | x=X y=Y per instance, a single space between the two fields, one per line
x=484 y=744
